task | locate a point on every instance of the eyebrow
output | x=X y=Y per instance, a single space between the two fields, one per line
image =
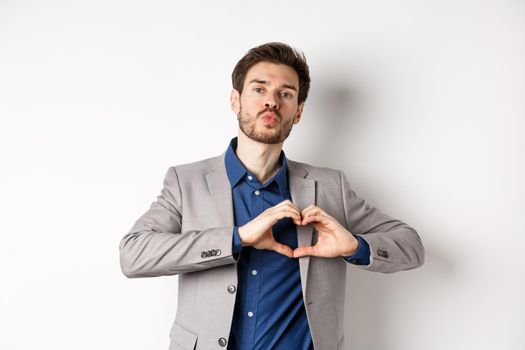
x=259 y=81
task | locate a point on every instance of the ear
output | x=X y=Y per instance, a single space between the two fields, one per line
x=299 y=113
x=235 y=101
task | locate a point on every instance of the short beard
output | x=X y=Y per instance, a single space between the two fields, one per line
x=247 y=124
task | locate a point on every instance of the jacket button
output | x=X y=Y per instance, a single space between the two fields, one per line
x=231 y=289
x=204 y=255
x=382 y=253
x=223 y=342
x=219 y=252
x=213 y=252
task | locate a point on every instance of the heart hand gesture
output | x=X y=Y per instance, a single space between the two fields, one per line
x=333 y=239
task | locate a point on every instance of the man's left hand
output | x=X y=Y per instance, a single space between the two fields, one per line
x=333 y=239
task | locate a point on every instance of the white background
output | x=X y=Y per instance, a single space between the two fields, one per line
x=421 y=103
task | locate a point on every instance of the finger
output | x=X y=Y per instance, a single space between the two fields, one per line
x=297 y=221
x=282 y=249
x=308 y=208
x=293 y=208
x=286 y=208
x=286 y=204
x=307 y=218
x=280 y=204
x=304 y=251
x=289 y=202
x=316 y=218
x=285 y=212
x=311 y=211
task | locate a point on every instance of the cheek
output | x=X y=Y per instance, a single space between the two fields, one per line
x=290 y=107
x=252 y=103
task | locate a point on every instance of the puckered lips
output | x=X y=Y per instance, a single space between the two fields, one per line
x=269 y=118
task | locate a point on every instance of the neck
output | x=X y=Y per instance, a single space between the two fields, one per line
x=260 y=159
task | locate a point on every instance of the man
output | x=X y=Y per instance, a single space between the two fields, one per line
x=260 y=242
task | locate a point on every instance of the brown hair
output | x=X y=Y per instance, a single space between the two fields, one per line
x=274 y=52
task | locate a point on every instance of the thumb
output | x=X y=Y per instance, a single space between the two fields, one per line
x=282 y=249
x=303 y=251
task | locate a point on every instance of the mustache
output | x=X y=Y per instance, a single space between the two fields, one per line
x=269 y=110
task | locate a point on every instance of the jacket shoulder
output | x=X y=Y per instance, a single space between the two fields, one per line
x=202 y=166
x=312 y=171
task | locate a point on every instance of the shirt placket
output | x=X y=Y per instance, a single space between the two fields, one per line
x=253 y=272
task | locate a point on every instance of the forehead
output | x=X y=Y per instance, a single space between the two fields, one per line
x=274 y=74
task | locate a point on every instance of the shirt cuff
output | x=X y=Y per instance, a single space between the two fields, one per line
x=236 y=242
x=362 y=255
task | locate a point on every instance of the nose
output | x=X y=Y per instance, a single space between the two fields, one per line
x=271 y=103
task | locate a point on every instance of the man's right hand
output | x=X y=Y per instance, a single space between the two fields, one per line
x=258 y=232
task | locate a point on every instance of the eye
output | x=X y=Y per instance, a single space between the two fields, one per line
x=258 y=90
x=285 y=94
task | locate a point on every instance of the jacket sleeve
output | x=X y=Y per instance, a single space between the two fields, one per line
x=394 y=245
x=155 y=245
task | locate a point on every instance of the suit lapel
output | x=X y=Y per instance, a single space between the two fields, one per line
x=221 y=191
x=302 y=191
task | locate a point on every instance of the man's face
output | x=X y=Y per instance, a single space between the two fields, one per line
x=268 y=107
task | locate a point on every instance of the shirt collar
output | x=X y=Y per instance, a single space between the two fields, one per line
x=236 y=170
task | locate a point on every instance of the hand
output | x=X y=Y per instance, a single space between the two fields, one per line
x=333 y=239
x=258 y=232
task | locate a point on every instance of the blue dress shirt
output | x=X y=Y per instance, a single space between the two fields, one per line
x=269 y=308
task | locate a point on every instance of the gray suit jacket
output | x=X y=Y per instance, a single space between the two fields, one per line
x=188 y=231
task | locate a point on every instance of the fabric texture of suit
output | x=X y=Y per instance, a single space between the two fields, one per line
x=187 y=231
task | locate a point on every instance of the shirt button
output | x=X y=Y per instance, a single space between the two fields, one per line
x=257 y=192
x=231 y=289
x=250 y=314
x=254 y=272
x=223 y=342
x=249 y=177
